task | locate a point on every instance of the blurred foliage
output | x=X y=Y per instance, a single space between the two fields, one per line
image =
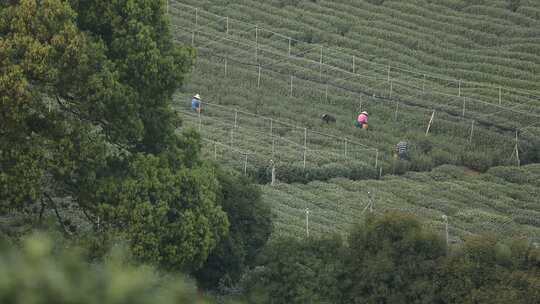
x=39 y=273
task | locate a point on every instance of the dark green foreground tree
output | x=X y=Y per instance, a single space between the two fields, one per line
x=392 y=259
x=86 y=124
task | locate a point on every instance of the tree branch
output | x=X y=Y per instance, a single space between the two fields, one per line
x=58 y=217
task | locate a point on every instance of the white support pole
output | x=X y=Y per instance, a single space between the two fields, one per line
x=271 y=127
x=273 y=172
x=353 y=64
x=50 y=105
x=232 y=137
x=289 y=52
x=259 y=78
x=445 y=218
x=193 y=39
x=227 y=25
x=517 y=150
x=307 y=222
x=396 y=113
x=167 y=6
x=326 y=93
x=235 y=119
x=388 y=73
x=305 y=146
x=291 y=85
x=370 y=202
x=463 y=110
x=459 y=88
x=391 y=87
x=430 y=122
x=215 y=150
x=320 y=64
x=500 y=95
x=256 y=43
x=200 y=120
x=345 y=146
x=472 y=132
x=424 y=84
x=196 y=17
x=225 y=66
x=380 y=172
x=273 y=146
x=377 y=158
x=245 y=163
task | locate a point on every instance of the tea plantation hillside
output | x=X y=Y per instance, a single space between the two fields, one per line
x=458 y=80
x=503 y=201
x=465 y=131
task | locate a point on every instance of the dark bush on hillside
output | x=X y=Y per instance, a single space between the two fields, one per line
x=476 y=161
x=295 y=173
x=510 y=174
x=392 y=259
x=513 y=5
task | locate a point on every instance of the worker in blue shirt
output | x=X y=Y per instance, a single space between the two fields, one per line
x=196 y=103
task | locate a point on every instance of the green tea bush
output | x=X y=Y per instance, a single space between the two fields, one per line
x=510 y=174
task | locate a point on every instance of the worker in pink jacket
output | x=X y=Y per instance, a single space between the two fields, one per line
x=362 y=121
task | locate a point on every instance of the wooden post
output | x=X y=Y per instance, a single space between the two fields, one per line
x=430 y=122
x=472 y=130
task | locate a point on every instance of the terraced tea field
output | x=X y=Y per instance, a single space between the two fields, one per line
x=458 y=80
x=503 y=201
x=464 y=120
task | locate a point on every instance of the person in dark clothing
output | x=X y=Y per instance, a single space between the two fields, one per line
x=402 y=150
x=327 y=118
